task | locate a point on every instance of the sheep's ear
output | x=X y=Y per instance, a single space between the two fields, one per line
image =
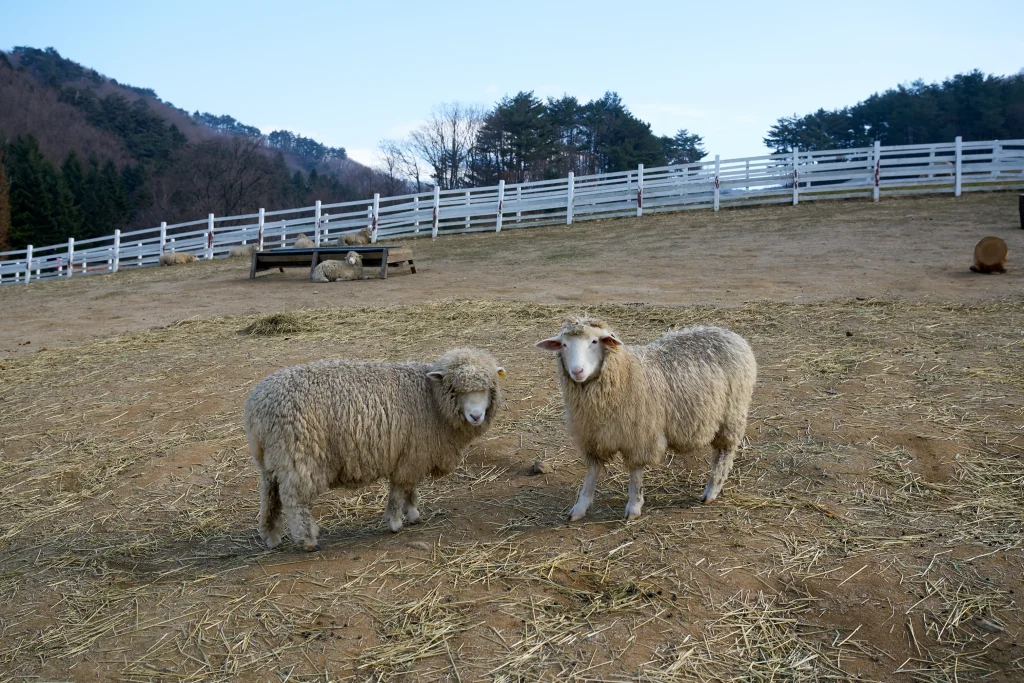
x=611 y=340
x=552 y=344
x=501 y=371
x=436 y=375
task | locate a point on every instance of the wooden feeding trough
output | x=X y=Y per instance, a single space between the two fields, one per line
x=383 y=256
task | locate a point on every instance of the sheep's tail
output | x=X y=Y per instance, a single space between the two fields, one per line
x=255 y=450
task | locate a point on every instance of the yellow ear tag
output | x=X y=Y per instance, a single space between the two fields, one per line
x=501 y=373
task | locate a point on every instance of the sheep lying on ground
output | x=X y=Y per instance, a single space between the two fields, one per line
x=329 y=271
x=303 y=242
x=342 y=423
x=686 y=390
x=246 y=250
x=355 y=239
x=176 y=259
x=990 y=255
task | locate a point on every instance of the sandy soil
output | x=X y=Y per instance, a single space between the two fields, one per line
x=914 y=248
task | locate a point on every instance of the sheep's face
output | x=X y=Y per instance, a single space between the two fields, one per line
x=471 y=387
x=581 y=350
x=352 y=258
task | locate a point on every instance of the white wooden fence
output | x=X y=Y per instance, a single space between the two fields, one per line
x=952 y=167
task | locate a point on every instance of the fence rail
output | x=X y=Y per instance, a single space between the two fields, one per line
x=953 y=167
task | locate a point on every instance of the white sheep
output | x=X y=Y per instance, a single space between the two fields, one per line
x=355 y=239
x=686 y=390
x=303 y=242
x=343 y=423
x=176 y=258
x=241 y=250
x=329 y=271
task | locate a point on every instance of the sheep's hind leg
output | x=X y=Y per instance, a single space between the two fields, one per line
x=720 y=468
x=271 y=520
x=636 y=493
x=412 y=500
x=393 y=512
x=300 y=519
x=586 y=493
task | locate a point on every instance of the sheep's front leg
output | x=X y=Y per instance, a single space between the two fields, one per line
x=412 y=499
x=636 y=493
x=586 y=493
x=393 y=512
x=271 y=517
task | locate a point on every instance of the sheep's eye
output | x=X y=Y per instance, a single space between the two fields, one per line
x=593 y=341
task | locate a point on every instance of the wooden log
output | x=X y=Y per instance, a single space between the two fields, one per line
x=990 y=255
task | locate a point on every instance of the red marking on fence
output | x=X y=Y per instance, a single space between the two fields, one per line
x=640 y=198
x=878 y=166
x=716 y=182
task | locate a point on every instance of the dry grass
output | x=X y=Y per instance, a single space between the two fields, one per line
x=871 y=531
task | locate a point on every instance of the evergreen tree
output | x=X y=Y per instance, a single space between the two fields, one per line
x=683 y=148
x=5 y=206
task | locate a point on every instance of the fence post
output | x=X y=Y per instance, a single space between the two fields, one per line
x=519 y=202
x=718 y=167
x=467 y=209
x=437 y=211
x=796 y=176
x=501 y=204
x=375 y=218
x=117 y=252
x=640 y=190
x=316 y=239
x=71 y=255
x=28 y=264
x=996 y=148
x=959 y=164
x=259 y=231
x=748 y=176
x=163 y=236
x=568 y=204
x=878 y=170
x=209 y=237
x=416 y=213
x=284 y=233
x=138 y=258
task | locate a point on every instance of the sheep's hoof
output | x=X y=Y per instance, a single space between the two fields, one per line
x=395 y=525
x=413 y=517
x=311 y=547
x=708 y=498
x=632 y=514
x=576 y=515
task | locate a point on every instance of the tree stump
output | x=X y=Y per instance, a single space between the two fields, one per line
x=990 y=255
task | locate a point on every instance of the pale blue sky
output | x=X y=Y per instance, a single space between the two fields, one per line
x=350 y=74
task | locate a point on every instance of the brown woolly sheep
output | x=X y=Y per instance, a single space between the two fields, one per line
x=329 y=271
x=176 y=259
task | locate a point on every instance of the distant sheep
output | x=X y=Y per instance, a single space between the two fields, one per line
x=246 y=250
x=355 y=239
x=343 y=423
x=329 y=271
x=303 y=242
x=176 y=259
x=686 y=390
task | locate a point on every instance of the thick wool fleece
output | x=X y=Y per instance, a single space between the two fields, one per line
x=685 y=390
x=331 y=270
x=355 y=239
x=343 y=423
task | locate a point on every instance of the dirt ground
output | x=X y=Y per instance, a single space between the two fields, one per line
x=870 y=531
x=916 y=248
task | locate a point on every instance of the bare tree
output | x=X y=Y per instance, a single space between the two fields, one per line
x=5 y=207
x=445 y=140
x=227 y=177
x=411 y=164
x=392 y=166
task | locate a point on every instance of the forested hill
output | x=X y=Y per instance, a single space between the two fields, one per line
x=82 y=155
x=972 y=105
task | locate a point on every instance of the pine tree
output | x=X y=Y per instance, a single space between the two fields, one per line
x=5 y=206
